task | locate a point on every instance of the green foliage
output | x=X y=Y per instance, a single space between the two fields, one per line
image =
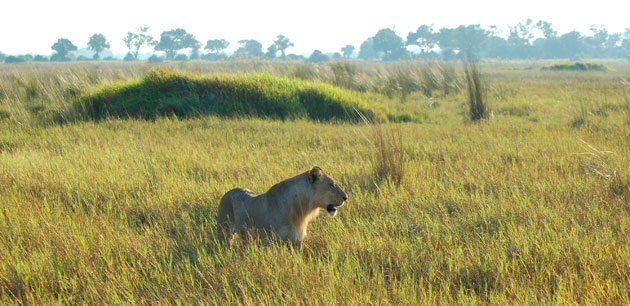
x=385 y=45
x=129 y=57
x=216 y=45
x=155 y=59
x=62 y=47
x=577 y=66
x=249 y=49
x=367 y=51
x=16 y=59
x=272 y=51
x=347 y=51
x=317 y=57
x=98 y=43
x=135 y=41
x=281 y=44
x=165 y=92
x=40 y=58
x=181 y=57
x=423 y=37
x=174 y=40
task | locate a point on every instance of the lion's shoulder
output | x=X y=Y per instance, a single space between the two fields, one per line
x=282 y=191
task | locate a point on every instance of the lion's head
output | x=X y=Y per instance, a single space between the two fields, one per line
x=327 y=194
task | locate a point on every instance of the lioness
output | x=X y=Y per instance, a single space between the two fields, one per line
x=283 y=212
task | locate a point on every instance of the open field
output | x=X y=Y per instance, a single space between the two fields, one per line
x=531 y=206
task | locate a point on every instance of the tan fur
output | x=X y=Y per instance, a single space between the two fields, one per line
x=283 y=212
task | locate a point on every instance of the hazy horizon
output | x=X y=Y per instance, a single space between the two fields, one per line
x=325 y=25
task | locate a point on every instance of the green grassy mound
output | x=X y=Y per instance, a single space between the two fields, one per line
x=577 y=66
x=166 y=92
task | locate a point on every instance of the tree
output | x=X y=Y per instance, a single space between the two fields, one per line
x=570 y=45
x=174 y=40
x=546 y=29
x=423 y=37
x=347 y=51
x=16 y=59
x=469 y=39
x=98 y=43
x=596 y=43
x=282 y=43
x=389 y=45
x=272 y=51
x=40 y=58
x=625 y=42
x=249 y=48
x=135 y=41
x=366 y=50
x=215 y=46
x=519 y=41
x=612 y=44
x=317 y=57
x=63 y=46
x=521 y=34
x=181 y=57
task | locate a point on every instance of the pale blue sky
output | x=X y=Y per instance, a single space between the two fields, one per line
x=33 y=26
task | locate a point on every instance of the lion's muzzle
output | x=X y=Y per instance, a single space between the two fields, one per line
x=332 y=208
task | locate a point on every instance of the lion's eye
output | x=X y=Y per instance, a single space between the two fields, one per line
x=332 y=185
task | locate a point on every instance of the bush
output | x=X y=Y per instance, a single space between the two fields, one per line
x=40 y=58
x=60 y=58
x=12 y=59
x=317 y=57
x=155 y=59
x=577 y=66
x=129 y=57
x=165 y=92
x=181 y=57
x=295 y=57
x=214 y=56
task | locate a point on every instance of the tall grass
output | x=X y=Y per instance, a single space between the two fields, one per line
x=121 y=210
x=477 y=107
x=389 y=154
x=626 y=89
x=600 y=163
x=389 y=157
x=345 y=75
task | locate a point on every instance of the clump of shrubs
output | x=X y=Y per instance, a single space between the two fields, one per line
x=577 y=66
x=166 y=92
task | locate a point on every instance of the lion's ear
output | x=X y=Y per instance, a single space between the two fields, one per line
x=315 y=174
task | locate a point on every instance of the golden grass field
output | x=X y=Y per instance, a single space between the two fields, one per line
x=531 y=206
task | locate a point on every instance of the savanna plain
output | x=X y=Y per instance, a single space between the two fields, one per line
x=111 y=174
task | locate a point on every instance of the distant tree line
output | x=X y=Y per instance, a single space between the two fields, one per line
x=525 y=40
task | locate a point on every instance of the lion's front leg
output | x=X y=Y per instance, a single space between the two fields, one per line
x=297 y=245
